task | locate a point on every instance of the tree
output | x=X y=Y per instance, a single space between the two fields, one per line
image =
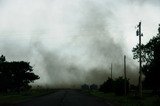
x=93 y=87
x=85 y=87
x=15 y=76
x=2 y=59
x=107 y=86
x=151 y=59
x=119 y=86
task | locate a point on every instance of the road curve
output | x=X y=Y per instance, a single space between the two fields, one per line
x=66 y=98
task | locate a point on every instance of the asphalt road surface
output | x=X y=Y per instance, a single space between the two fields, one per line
x=66 y=98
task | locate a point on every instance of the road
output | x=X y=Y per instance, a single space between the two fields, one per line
x=66 y=98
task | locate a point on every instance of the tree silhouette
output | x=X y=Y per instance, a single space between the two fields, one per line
x=119 y=86
x=85 y=87
x=93 y=87
x=2 y=59
x=15 y=76
x=151 y=59
x=107 y=86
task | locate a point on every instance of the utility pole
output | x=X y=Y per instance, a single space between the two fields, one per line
x=111 y=70
x=138 y=32
x=125 y=79
x=159 y=30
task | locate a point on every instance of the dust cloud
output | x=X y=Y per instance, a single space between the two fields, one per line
x=73 y=42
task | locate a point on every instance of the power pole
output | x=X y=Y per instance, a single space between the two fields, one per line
x=111 y=70
x=159 y=30
x=138 y=32
x=125 y=79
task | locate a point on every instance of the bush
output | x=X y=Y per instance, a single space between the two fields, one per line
x=107 y=86
x=93 y=87
x=119 y=86
x=85 y=87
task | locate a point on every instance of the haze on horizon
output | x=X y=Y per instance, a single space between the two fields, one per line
x=73 y=42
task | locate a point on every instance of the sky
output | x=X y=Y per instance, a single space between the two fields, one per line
x=72 y=42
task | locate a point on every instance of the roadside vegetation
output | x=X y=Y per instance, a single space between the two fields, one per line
x=129 y=100
x=15 y=76
x=15 y=82
x=17 y=97
x=120 y=92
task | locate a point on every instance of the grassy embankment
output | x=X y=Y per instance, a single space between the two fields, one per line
x=130 y=100
x=13 y=98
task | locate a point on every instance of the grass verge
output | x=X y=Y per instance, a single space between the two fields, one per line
x=14 y=98
x=129 y=100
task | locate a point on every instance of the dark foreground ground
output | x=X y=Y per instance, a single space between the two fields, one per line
x=66 y=98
